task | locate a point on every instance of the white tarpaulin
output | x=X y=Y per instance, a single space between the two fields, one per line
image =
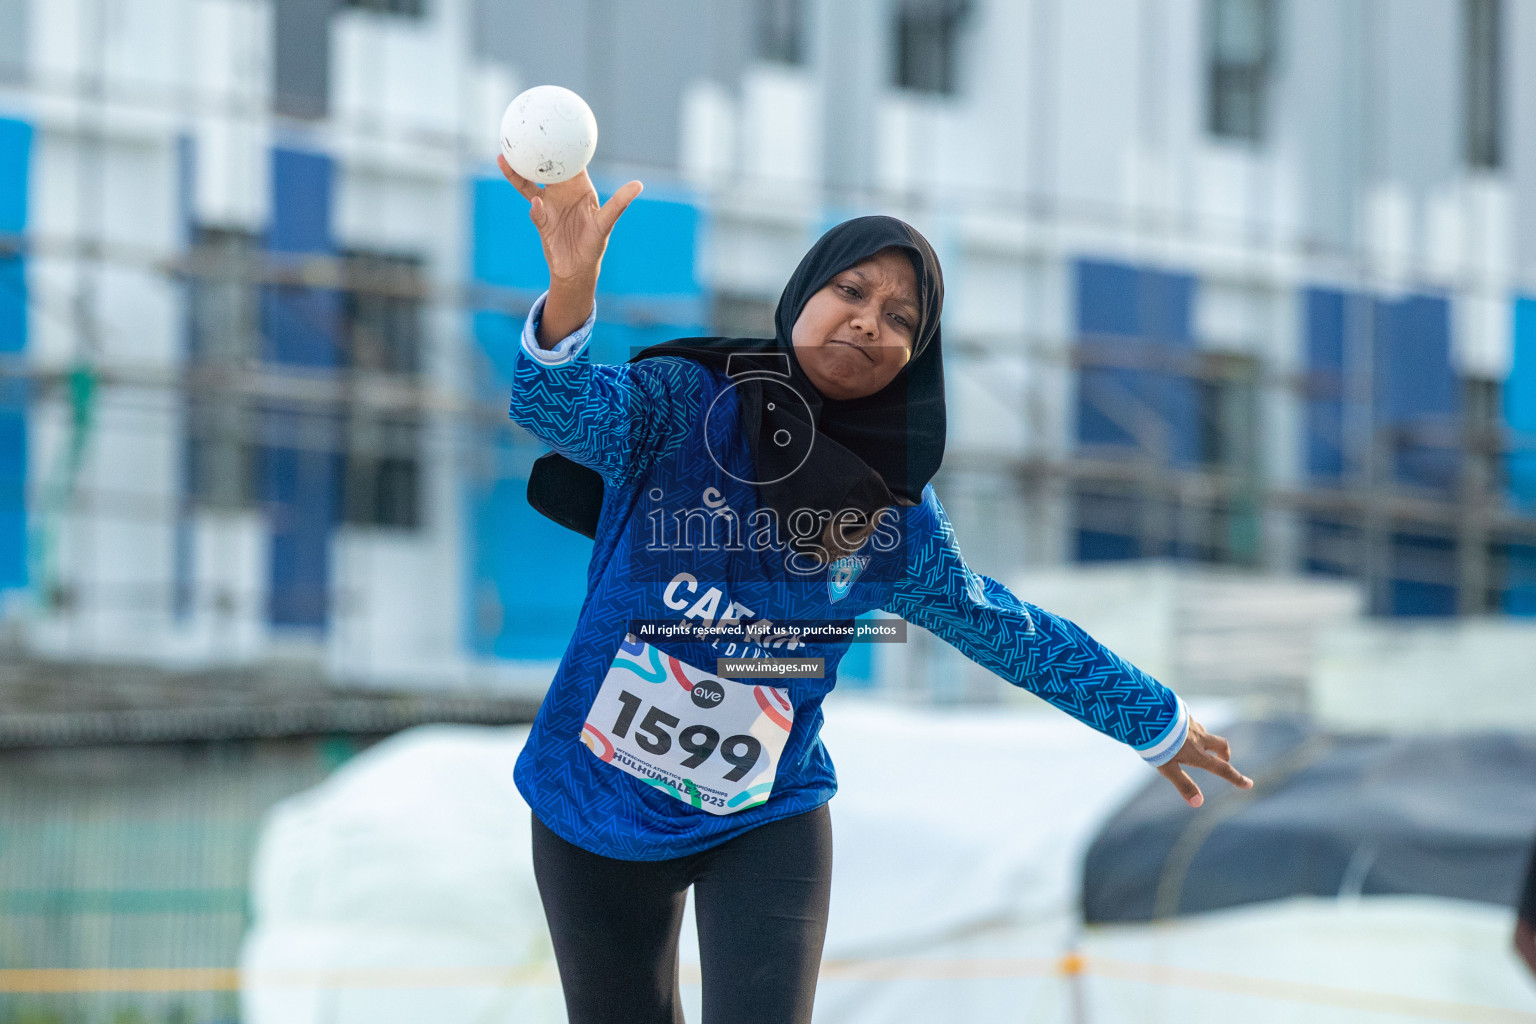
x=401 y=890
x=1404 y=959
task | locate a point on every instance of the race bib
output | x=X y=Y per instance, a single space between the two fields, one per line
x=712 y=743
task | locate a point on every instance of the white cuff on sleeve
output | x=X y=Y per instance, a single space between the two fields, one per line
x=1161 y=750
x=567 y=349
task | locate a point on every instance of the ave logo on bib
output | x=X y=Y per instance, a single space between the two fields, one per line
x=710 y=742
x=842 y=573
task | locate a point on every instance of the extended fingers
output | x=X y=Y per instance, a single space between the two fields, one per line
x=1183 y=783
x=1214 y=754
x=617 y=204
x=1222 y=768
x=1202 y=750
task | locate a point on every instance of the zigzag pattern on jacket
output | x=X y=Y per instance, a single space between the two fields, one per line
x=1048 y=655
x=616 y=419
x=641 y=426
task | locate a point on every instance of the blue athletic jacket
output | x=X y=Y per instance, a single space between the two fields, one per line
x=663 y=434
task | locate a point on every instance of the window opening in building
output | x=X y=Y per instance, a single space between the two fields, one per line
x=927 y=44
x=408 y=8
x=1483 y=71
x=301 y=58
x=224 y=343
x=382 y=336
x=779 y=31
x=382 y=312
x=383 y=475
x=13 y=41
x=1241 y=41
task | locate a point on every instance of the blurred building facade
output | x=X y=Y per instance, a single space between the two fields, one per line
x=1235 y=283
x=1242 y=282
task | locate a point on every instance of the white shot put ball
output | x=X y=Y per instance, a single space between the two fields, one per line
x=548 y=134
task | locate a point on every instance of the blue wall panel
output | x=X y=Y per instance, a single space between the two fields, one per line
x=13 y=300
x=13 y=494
x=1414 y=375
x=301 y=325
x=652 y=251
x=1139 y=303
x=1150 y=312
x=506 y=251
x=1417 y=390
x=15 y=177
x=616 y=343
x=302 y=492
x=1145 y=314
x=1520 y=406
x=525 y=577
x=1107 y=299
x=1107 y=310
x=1518 y=587
x=301 y=202
x=1106 y=546
x=651 y=254
x=15 y=173
x=301 y=328
x=1520 y=417
x=1423 y=576
x=1417 y=399
x=1324 y=316
x=1415 y=405
x=497 y=336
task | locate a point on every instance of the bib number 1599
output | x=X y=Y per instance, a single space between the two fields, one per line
x=709 y=742
x=652 y=734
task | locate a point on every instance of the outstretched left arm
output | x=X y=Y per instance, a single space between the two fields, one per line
x=1050 y=656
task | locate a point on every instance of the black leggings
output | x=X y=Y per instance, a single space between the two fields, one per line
x=760 y=901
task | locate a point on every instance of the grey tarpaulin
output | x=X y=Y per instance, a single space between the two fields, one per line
x=1449 y=816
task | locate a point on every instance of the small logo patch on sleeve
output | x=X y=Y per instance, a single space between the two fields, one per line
x=842 y=573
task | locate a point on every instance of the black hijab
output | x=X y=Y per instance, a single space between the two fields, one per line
x=810 y=452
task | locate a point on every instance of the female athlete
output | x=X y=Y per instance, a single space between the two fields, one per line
x=736 y=490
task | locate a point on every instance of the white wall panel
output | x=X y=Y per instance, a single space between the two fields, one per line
x=231 y=134
x=1096 y=110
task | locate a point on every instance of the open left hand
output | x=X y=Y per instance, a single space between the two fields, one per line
x=1206 y=750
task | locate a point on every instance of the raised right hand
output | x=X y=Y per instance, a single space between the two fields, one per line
x=573 y=228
